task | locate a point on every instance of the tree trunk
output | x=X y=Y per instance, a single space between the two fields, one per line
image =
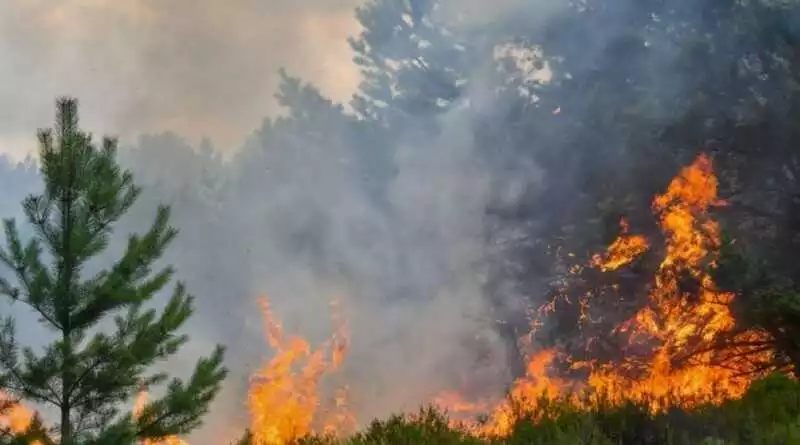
x=66 y=389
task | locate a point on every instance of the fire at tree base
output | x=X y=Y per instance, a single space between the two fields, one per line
x=688 y=337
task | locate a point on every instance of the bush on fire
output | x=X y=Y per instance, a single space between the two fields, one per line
x=769 y=414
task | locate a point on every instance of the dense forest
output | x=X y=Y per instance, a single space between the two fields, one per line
x=595 y=201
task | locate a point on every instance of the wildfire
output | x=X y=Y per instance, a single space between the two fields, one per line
x=283 y=398
x=456 y=405
x=678 y=328
x=16 y=419
x=284 y=395
x=684 y=323
x=682 y=366
x=622 y=251
x=526 y=394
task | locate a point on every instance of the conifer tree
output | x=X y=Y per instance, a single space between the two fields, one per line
x=91 y=374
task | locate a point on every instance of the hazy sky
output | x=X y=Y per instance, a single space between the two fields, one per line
x=198 y=67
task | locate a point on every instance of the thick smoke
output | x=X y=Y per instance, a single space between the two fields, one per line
x=291 y=216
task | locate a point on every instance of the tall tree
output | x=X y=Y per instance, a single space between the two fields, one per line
x=412 y=65
x=87 y=374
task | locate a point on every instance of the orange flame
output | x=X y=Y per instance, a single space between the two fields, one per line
x=526 y=394
x=456 y=405
x=682 y=368
x=678 y=325
x=622 y=251
x=283 y=400
x=681 y=321
x=17 y=418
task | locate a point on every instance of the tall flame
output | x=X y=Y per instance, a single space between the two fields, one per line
x=284 y=395
x=682 y=368
x=679 y=321
x=679 y=327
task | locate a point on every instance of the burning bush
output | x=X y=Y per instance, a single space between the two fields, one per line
x=679 y=376
x=662 y=360
x=769 y=413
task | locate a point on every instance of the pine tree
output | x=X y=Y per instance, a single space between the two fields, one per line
x=91 y=376
x=412 y=65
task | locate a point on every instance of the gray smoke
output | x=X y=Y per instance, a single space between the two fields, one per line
x=198 y=67
x=289 y=216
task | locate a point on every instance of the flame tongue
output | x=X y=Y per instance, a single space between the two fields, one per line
x=682 y=323
x=622 y=251
x=284 y=400
x=677 y=327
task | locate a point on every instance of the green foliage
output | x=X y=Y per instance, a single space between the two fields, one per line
x=427 y=427
x=90 y=375
x=766 y=299
x=35 y=431
x=571 y=427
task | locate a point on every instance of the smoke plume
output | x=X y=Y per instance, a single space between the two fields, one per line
x=294 y=214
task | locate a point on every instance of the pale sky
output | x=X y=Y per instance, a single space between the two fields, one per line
x=198 y=67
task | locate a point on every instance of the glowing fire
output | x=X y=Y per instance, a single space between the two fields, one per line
x=284 y=396
x=456 y=405
x=680 y=369
x=284 y=401
x=622 y=251
x=16 y=419
x=678 y=327
x=681 y=322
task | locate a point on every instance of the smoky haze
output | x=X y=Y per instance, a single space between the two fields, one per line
x=202 y=68
x=290 y=215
